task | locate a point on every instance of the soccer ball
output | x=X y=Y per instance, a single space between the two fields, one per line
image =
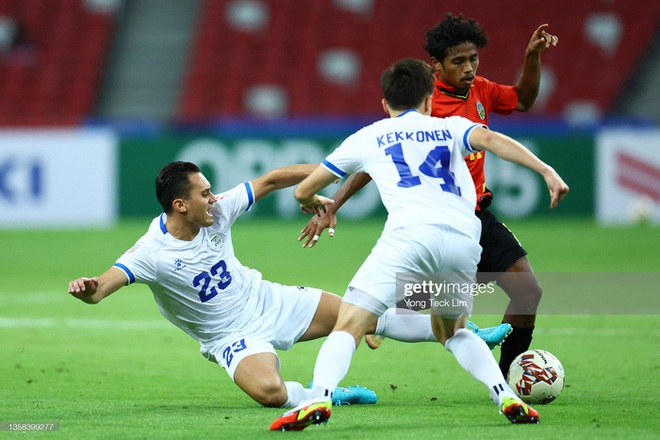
x=536 y=376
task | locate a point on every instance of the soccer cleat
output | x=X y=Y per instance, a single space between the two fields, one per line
x=518 y=412
x=492 y=336
x=356 y=395
x=373 y=341
x=311 y=412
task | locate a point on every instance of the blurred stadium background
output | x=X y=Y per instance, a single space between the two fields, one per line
x=96 y=95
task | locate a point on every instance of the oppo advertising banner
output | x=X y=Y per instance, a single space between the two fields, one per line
x=628 y=170
x=227 y=162
x=58 y=178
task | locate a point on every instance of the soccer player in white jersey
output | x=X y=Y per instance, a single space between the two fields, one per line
x=417 y=164
x=187 y=259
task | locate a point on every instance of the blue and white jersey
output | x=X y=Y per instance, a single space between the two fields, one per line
x=199 y=285
x=417 y=164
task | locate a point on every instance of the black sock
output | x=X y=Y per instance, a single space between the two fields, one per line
x=517 y=342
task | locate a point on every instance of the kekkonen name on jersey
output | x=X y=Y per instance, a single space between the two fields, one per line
x=415 y=136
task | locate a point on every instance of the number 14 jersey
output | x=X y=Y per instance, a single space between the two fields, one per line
x=417 y=164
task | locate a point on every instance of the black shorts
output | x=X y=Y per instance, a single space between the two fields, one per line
x=500 y=248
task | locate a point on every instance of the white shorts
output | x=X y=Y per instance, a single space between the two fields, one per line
x=288 y=312
x=437 y=250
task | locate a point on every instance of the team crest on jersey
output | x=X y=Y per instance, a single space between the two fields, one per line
x=178 y=264
x=481 y=110
x=216 y=241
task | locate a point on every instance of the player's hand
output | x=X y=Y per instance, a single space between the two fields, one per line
x=315 y=205
x=83 y=287
x=556 y=186
x=314 y=228
x=541 y=40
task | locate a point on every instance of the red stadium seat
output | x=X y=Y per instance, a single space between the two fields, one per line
x=285 y=52
x=58 y=86
x=58 y=77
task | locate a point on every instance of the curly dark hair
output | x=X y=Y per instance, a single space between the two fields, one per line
x=452 y=31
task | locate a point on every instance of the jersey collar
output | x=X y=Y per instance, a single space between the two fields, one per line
x=162 y=224
x=406 y=112
x=449 y=90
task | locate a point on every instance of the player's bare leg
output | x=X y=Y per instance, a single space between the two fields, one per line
x=401 y=325
x=523 y=288
x=444 y=328
x=258 y=375
x=325 y=317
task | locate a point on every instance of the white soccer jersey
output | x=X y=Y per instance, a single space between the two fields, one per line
x=199 y=285
x=417 y=164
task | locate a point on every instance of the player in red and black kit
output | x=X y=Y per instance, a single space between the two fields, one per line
x=453 y=49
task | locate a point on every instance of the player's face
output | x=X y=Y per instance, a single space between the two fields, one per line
x=201 y=201
x=459 y=66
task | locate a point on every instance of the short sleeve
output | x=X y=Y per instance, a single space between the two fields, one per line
x=346 y=158
x=231 y=204
x=138 y=264
x=459 y=124
x=502 y=99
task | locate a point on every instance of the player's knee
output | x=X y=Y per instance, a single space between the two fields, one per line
x=441 y=330
x=535 y=293
x=527 y=293
x=271 y=393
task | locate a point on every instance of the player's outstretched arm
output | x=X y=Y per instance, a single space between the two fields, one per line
x=530 y=78
x=513 y=151
x=94 y=289
x=306 y=191
x=327 y=218
x=279 y=178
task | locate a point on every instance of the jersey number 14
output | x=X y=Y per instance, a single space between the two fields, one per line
x=436 y=165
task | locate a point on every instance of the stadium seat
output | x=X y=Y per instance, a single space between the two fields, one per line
x=59 y=83
x=285 y=51
x=55 y=73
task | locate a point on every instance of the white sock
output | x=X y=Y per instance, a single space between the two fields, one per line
x=332 y=362
x=296 y=394
x=405 y=326
x=474 y=356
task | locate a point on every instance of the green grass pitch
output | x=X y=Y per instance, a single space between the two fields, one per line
x=118 y=370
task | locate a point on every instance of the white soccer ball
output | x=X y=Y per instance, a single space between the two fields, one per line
x=536 y=376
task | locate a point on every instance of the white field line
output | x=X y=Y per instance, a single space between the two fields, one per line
x=51 y=297
x=114 y=324
x=45 y=297
x=102 y=324
x=595 y=332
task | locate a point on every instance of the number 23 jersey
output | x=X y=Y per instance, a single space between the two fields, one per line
x=199 y=285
